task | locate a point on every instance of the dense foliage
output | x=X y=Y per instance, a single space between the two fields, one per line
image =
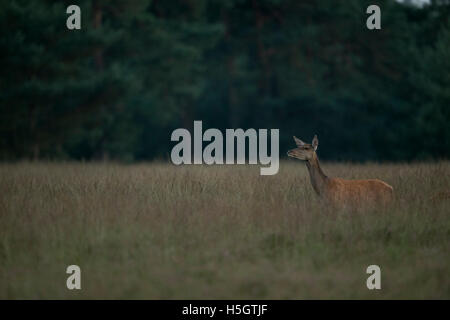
x=139 y=69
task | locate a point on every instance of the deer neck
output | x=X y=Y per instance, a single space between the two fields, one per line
x=318 y=179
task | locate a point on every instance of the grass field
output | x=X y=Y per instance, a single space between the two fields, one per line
x=151 y=231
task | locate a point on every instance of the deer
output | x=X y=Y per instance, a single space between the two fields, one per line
x=336 y=191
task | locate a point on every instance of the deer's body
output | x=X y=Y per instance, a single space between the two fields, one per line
x=337 y=191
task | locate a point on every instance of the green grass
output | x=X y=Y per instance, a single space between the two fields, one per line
x=152 y=231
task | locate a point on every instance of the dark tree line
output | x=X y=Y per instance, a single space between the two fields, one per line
x=137 y=70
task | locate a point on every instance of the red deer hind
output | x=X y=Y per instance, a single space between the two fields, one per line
x=336 y=191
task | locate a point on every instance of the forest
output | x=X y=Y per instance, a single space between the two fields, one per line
x=137 y=70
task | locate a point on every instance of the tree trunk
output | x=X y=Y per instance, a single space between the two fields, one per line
x=233 y=107
x=97 y=17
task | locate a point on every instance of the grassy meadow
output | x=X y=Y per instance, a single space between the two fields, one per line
x=158 y=231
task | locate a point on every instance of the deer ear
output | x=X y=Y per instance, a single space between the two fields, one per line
x=298 y=142
x=315 y=142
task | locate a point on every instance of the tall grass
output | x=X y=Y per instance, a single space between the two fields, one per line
x=156 y=231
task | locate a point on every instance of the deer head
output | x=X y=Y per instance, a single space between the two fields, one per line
x=304 y=151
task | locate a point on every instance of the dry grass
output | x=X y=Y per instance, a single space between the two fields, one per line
x=160 y=231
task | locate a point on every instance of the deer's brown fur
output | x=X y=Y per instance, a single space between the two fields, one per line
x=337 y=191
